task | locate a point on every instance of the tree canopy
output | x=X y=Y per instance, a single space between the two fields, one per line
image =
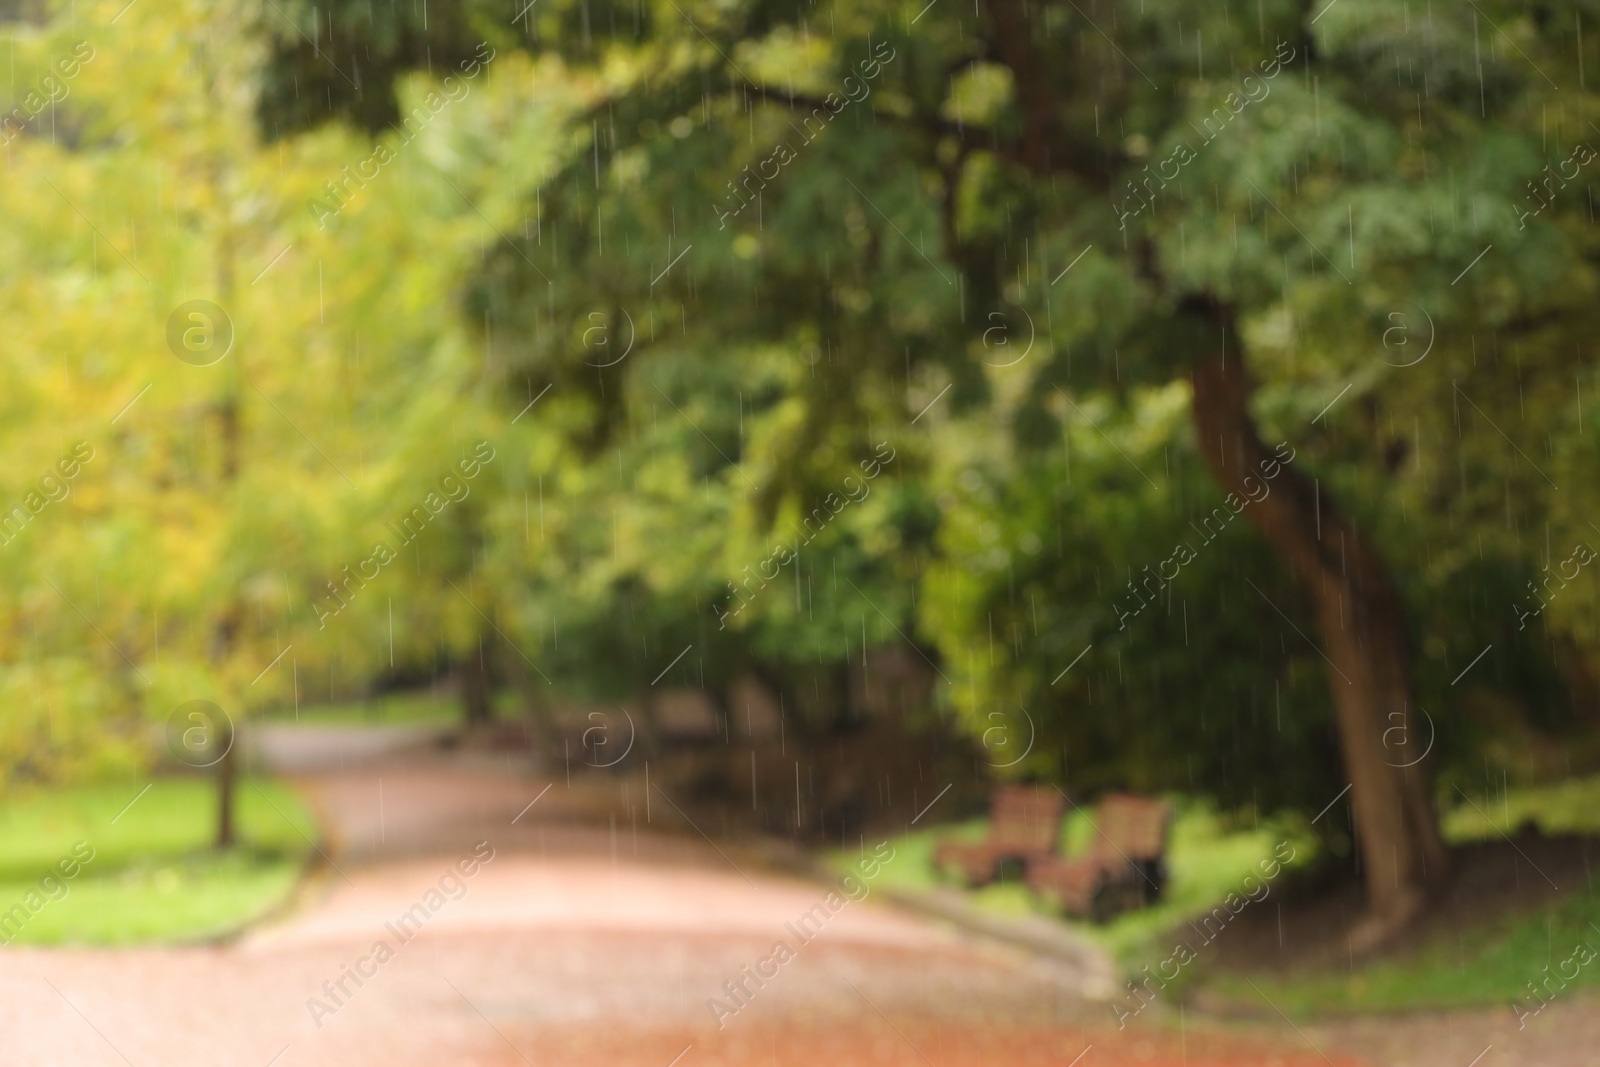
x=1061 y=277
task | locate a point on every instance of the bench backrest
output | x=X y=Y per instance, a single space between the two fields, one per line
x=1027 y=818
x=1131 y=828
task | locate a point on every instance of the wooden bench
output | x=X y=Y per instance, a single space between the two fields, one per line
x=1024 y=827
x=1125 y=867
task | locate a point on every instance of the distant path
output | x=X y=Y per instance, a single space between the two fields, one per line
x=574 y=946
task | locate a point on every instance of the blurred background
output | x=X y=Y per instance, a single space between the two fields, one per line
x=695 y=463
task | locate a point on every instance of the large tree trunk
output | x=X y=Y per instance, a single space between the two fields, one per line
x=1362 y=628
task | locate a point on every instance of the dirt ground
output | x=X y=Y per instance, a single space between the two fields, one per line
x=1513 y=877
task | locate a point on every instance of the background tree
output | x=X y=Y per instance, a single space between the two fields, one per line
x=1213 y=198
x=1078 y=269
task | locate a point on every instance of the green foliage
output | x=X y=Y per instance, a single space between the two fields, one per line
x=223 y=501
x=564 y=254
x=814 y=313
x=1188 y=691
x=1556 y=809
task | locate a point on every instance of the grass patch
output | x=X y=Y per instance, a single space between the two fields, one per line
x=153 y=875
x=1490 y=963
x=409 y=709
x=911 y=870
x=1569 y=807
x=1206 y=860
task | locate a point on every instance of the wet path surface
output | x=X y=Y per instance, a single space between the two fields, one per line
x=456 y=925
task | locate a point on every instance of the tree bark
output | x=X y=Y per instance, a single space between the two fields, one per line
x=535 y=710
x=477 y=687
x=225 y=779
x=227 y=627
x=1362 y=625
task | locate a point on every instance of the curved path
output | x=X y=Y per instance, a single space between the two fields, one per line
x=567 y=946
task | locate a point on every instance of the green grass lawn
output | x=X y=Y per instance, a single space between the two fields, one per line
x=425 y=707
x=153 y=876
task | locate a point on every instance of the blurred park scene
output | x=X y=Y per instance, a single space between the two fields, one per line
x=673 y=533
